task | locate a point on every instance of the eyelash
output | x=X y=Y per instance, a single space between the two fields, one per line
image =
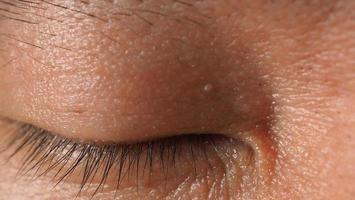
x=41 y=147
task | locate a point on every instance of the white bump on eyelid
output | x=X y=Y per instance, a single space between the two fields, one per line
x=208 y=87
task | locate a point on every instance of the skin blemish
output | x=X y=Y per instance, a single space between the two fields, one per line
x=208 y=87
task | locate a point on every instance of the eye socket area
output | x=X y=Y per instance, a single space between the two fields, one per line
x=189 y=105
x=208 y=93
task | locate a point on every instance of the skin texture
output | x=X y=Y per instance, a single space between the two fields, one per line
x=277 y=75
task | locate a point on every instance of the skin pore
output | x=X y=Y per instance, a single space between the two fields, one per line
x=276 y=76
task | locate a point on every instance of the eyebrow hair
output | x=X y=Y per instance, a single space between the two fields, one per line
x=22 y=4
x=6 y=11
x=17 y=19
x=19 y=40
x=74 y=10
x=27 y=4
x=32 y=12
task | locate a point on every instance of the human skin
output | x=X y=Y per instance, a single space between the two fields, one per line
x=278 y=75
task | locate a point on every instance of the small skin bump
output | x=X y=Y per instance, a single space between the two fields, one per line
x=79 y=111
x=208 y=87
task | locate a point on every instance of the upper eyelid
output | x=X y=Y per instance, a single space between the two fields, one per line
x=23 y=127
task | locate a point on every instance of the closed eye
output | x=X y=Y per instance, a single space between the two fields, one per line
x=166 y=98
x=96 y=167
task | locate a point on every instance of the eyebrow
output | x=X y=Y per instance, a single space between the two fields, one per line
x=7 y=12
x=22 y=4
x=75 y=10
x=27 y=4
x=29 y=12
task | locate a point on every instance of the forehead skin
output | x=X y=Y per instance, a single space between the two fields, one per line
x=302 y=51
